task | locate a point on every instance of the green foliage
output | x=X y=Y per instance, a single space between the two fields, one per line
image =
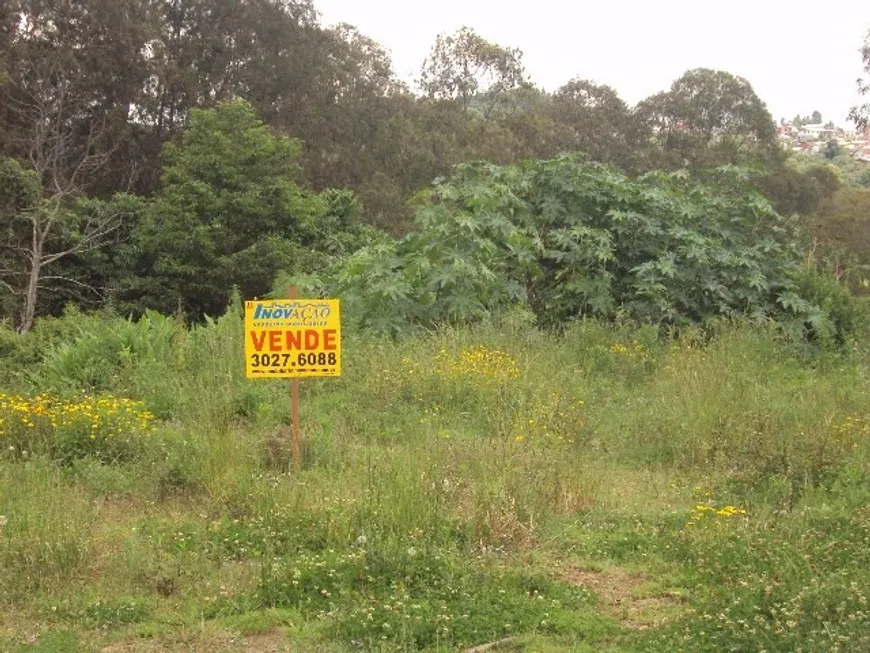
x=229 y=208
x=229 y=213
x=577 y=239
x=46 y=529
x=105 y=428
x=709 y=118
x=339 y=232
x=20 y=188
x=142 y=359
x=852 y=172
x=105 y=614
x=600 y=122
x=837 y=318
x=832 y=149
x=91 y=277
x=461 y=486
x=417 y=599
x=799 y=187
x=334 y=89
x=464 y=65
x=48 y=234
x=22 y=353
x=94 y=359
x=55 y=642
x=768 y=592
x=19 y=193
x=841 y=228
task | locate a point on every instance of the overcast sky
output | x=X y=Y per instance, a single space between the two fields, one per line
x=798 y=56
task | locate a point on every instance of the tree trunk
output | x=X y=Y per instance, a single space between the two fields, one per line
x=28 y=311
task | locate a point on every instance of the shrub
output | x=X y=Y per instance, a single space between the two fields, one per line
x=106 y=428
x=836 y=318
x=574 y=239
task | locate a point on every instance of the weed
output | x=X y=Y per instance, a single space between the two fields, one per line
x=105 y=428
x=450 y=480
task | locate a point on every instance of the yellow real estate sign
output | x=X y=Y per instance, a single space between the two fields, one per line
x=292 y=338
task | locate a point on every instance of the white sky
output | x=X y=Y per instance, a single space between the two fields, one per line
x=799 y=56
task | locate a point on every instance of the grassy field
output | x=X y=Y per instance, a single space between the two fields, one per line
x=600 y=490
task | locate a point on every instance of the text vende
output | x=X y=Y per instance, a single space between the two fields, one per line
x=294 y=340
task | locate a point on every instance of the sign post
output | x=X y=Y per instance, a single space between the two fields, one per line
x=294 y=407
x=293 y=339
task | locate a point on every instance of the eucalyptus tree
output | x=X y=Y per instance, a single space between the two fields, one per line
x=464 y=66
x=860 y=114
x=709 y=118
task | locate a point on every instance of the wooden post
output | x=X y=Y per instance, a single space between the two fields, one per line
x=294 y=408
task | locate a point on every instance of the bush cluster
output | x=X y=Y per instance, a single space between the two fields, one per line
x=106 y=428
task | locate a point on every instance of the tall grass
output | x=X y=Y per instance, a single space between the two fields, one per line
x=461 y=471
x=45 y=536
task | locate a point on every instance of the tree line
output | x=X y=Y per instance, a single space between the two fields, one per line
x=156 y=152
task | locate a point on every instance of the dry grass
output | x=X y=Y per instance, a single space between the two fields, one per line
x=627 y=597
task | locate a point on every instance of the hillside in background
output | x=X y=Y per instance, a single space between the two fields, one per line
x=116 y=194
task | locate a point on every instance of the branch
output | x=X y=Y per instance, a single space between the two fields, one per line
x=92 y=162
x=15 y=247
x=10 y=288
x=9 y=271
x=76 y=282
x=48 y=105
x=91 y=239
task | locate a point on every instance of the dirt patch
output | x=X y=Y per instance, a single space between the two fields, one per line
x=272 y=642
x=625 y=596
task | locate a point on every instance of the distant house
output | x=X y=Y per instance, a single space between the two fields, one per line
x=815 y=132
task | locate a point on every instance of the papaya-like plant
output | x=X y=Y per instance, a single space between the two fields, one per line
x=576 y=239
